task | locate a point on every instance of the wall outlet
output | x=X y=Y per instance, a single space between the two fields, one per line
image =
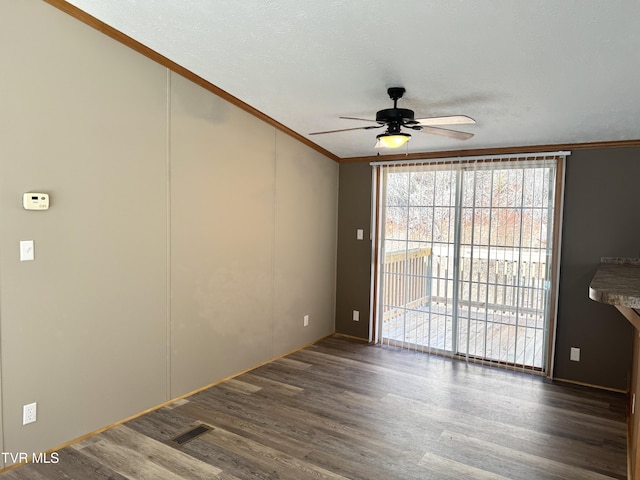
x=306 y=321
x=356 y=316
x=29 y=413
x=575 y=354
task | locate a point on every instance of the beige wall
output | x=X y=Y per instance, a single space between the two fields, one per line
x=167 y=260
x=306 y=205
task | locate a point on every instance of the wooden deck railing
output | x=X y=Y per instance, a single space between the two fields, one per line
x=406 y=272
x=418 y=276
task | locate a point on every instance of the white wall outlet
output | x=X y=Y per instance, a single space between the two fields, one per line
x=306 y=321
x=29 y=413
x=356 y=316
x=575 y=354
x=360 y=234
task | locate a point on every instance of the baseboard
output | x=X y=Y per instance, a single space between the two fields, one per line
x=350 y=337
x=590 y=385
x=164 y=404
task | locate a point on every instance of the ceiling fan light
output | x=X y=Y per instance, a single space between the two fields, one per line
x=393 y=140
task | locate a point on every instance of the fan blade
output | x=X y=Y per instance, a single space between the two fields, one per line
x=450 y=120
x=361 y=119
x=447 y=133
x=347 y=129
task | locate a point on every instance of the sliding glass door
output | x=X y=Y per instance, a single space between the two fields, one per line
x=466 y=257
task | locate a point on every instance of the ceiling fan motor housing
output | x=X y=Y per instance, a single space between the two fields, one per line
x=391 y=115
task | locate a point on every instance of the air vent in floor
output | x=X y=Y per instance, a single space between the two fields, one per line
x=190 y=435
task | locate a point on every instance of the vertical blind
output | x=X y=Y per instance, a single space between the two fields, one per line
x=466 y=254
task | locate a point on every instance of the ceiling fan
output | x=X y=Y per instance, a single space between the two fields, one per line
x=395 y=119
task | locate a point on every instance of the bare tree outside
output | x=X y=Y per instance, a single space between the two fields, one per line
x=466 y=264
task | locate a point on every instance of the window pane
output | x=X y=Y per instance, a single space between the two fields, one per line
x=465 y=265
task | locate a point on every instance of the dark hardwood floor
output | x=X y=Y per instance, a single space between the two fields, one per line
x=347 y=410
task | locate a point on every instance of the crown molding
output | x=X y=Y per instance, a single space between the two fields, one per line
x=173 y=66
x=494 y=151
x=120 y=37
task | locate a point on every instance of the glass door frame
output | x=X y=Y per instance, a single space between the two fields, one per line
x=378 y=225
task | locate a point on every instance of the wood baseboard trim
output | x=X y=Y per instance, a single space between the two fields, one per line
x=589 y=385
x=164 y=404
x=350 y=337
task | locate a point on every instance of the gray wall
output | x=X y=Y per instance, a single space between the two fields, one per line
x=354 y=256
x=600 y=219
x=185 y=241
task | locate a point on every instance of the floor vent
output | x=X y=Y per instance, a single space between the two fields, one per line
x=190 y=435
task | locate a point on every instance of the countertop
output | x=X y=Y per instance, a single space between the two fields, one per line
x=617 y=282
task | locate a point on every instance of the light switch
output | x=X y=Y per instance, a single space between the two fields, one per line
x=360 y=234
x=26 y=250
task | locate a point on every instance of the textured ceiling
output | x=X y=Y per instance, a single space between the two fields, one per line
x=529 y=72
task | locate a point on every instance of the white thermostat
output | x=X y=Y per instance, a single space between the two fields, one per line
x=35 y=201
